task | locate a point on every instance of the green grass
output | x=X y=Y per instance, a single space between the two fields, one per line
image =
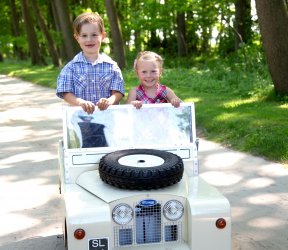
x=235 y=106
x=42 y=75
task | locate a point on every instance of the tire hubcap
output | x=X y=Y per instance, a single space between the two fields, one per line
x=141 y=160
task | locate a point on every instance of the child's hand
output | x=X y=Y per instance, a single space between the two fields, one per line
x=176 y=102
x=103 y=103
x=137 y=104
x=87 y=106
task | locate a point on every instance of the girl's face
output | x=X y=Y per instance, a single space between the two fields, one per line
x=90 y=39
x=149 y=73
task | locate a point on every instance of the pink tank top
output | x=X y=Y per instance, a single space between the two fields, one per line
x=160 y=97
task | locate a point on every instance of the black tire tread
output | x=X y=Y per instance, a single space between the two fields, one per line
x=134 y=178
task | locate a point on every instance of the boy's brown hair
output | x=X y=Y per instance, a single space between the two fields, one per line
x=89 y=17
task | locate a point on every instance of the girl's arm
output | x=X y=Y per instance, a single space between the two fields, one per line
x=131 y=99
x=173 y=98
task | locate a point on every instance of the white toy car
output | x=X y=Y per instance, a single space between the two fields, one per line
x=129 y=180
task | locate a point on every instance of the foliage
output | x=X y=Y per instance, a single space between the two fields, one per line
x=146 y=25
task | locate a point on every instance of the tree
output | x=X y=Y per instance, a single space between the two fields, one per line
x=34 y=49
x=243 y=22
x=181 y=34
x=65 y=25
x=115 y=29
x=50 y=43
x=273 y=22
x=15 y=20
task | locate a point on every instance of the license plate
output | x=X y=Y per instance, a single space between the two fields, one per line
x=98 y=244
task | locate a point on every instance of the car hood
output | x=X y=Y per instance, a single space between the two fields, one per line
x=91 y=182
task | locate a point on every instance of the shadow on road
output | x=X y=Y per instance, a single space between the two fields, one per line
x=30 y=128
x=53 y=242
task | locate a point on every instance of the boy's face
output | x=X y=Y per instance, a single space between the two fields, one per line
x=148 y=72
x=90 y=39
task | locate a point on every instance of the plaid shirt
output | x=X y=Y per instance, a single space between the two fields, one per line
x=90 y=81
x=160 y=97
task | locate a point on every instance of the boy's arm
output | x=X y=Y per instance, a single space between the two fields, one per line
x=115 y=98
x=87 y=106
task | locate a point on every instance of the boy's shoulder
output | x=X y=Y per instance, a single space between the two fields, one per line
x=76 y=59
x=102 y=58
x=80 y=58
x=105 y=58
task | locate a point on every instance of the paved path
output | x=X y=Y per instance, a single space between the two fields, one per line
x=30 y=127
x=31 y=209
x=258 y=194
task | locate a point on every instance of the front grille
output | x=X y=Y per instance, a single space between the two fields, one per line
x=148 y=223
x=148 y=228
x=172 y=232
x=125 y=236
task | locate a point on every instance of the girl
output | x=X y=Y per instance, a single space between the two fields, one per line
x=148 y=67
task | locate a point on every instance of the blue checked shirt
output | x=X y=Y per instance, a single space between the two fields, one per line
x=90 y=81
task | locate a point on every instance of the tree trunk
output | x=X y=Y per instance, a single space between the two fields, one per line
x=205 y=40
x=116 y=34
x=50 y=43
x=181 y=34
x=62 y=12
x=137 y=30
x=137 y=40
x=56 y=24
x=16 y=30
x=243 y=22
x=36 y=58
x=273 y=22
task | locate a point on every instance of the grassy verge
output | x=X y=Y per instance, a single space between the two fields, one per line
x=234 y=106
x=42 y=75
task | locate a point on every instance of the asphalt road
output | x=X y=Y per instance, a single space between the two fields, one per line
x=31 y=210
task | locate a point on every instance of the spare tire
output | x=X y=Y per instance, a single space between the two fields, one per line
x=141 y=169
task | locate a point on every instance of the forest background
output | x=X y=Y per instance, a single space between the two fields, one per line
x=230 y=57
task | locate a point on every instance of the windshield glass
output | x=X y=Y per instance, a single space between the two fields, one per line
x=126 y=126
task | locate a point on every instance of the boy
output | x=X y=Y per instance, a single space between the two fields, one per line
x=90 y=78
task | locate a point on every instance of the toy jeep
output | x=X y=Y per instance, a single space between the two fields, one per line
x=129 y=180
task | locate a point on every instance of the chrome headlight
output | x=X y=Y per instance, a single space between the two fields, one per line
x=173 y=210
x=122 y=214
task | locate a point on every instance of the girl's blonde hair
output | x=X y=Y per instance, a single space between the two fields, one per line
x=89 y=17
x=148 y=56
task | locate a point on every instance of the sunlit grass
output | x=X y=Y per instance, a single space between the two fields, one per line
x=42 y=75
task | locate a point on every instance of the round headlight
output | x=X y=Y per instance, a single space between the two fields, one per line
x=122 y=214
x=173 y=210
